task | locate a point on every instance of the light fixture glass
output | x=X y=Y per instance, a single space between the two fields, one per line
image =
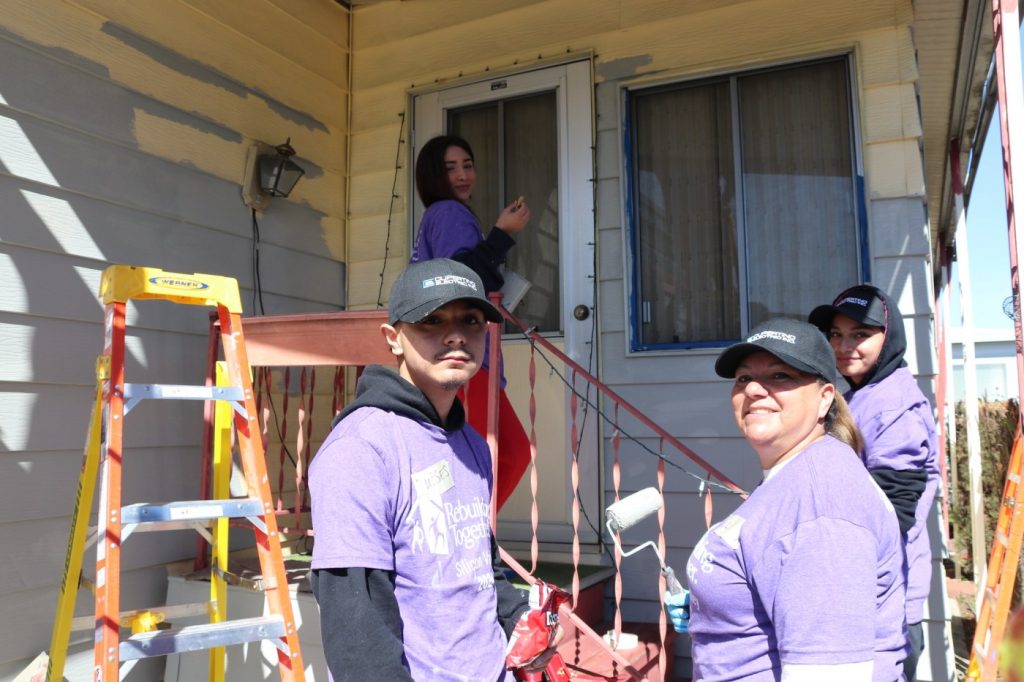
x=278 y=173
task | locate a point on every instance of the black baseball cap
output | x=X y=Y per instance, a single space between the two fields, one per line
x=862 y=303
x=425 y=286
x=798 y=344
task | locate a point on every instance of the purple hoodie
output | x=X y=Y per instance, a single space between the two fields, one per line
x=896 y=420
x=447 y=227
x=899 y=433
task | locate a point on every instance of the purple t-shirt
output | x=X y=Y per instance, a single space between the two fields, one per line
x=899 y=433
x=808 y=570
x=405 y=496
x=447 y=227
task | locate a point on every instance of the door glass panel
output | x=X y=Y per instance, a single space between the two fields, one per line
x=478 y=125
x=515 y=146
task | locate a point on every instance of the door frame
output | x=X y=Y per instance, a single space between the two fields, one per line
x=572 y=82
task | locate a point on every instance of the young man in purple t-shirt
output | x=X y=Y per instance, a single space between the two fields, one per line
x=403 y=563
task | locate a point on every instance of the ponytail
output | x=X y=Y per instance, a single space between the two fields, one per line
x=840 y=425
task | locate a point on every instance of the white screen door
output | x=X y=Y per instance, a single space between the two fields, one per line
x=531 y=135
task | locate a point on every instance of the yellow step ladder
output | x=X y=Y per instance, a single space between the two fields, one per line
x=1002 y=570
x=103 y=461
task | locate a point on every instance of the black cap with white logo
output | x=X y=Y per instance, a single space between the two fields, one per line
x=798 y=344
x=425 y=286
x=862 y=303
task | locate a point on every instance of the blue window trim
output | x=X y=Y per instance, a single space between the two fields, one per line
x=632 y=239
x=631 y=231
x=862 y=229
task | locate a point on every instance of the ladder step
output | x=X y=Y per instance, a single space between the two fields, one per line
x=181 y=392
x=198 y=510
x=136 y=393
x=200 y=637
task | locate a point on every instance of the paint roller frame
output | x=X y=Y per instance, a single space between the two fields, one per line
x=629 y=511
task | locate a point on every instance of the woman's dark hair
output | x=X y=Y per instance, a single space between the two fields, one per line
x=431 y=173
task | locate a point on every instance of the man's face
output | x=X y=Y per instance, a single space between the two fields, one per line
x=443 y=350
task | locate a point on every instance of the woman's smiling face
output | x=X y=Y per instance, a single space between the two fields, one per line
x=461 y=172
x=857 y=346
x=778 y=409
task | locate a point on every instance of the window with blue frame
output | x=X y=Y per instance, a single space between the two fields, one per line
x=744 y=201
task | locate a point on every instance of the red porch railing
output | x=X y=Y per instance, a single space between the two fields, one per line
x=286 y=352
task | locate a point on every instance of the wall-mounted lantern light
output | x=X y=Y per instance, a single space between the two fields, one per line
x=269 y=172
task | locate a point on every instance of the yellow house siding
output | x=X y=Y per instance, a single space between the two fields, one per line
x=178 y=25
x=887 y=57
x=375 y=276
x=890 y=113
x=894 y=169
x=124 y=129
x=325 y=18
x=430 y=42
x=226 y=90
x=317 y=51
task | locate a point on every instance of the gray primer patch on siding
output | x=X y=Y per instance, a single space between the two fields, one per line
x=80 y=93
x=621 y=68
x=192 y=119
x=196 y=69
x=313 y=170
x=59 y=54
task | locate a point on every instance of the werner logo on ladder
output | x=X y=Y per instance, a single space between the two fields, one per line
x=103 y=461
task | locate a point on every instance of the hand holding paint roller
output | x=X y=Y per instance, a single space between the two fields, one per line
x=625 y=514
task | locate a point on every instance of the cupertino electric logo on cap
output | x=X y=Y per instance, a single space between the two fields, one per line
x=850 y=299
x=778 y=336
x=449 y=279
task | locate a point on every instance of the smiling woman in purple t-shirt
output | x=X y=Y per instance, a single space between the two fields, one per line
x=803 y=582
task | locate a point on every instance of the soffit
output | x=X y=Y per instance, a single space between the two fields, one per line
x=953 y=40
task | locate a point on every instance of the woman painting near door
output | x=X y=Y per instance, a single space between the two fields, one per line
x=445 y=179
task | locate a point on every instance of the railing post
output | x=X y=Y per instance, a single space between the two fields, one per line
x=662 y=583
x=534 y=511
x=493 y=396
x=616 y=483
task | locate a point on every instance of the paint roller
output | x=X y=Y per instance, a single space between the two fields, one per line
x=630 y=511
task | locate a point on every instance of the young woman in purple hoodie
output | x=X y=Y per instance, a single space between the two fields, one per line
x=866 y=331
x=445 y=179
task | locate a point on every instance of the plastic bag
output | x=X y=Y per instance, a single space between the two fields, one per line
x=536 y=629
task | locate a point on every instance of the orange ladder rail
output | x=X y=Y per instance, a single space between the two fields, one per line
x=115 y=399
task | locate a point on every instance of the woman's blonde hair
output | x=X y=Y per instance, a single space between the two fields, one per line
x=839 y=422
